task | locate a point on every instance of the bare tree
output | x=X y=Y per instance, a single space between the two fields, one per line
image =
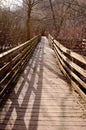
x=29 y=5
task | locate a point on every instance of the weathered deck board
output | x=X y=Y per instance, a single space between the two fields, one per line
x=42 y=99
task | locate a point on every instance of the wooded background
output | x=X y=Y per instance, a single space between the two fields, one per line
x=63 y=19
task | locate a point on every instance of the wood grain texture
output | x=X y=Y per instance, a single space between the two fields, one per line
x=42 y=100
x=73 y=72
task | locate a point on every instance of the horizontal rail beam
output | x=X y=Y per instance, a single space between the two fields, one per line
x=13 y=61
x=70 y=64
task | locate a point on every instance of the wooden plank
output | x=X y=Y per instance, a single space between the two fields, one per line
x=18 y=48
x=71 y=63
x=72 y=54
x=16 y=63
x=74 y=85
x=8 y=64
x=41 y=99
x=73 y=74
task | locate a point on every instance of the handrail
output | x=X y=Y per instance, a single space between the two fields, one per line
x=13 y=61
x=72 y=65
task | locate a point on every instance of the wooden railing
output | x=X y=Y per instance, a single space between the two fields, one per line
x=13 y=61
x=72 y=65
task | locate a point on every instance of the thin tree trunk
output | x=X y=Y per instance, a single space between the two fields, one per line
x=28 y=20
x=28 y=28
x=53 y=15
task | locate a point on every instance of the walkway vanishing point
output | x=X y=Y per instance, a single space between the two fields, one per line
x=42 y=99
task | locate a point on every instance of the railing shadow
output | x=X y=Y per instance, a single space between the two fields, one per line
x=20 y=108
x=51 y=69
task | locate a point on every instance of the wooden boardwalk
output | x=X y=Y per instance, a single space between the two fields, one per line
x=42 y=100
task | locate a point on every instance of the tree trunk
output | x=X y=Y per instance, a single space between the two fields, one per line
x=28 y=28
x=28 y=21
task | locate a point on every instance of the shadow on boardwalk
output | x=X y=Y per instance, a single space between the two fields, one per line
x=19 y=122
x=41 y=99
